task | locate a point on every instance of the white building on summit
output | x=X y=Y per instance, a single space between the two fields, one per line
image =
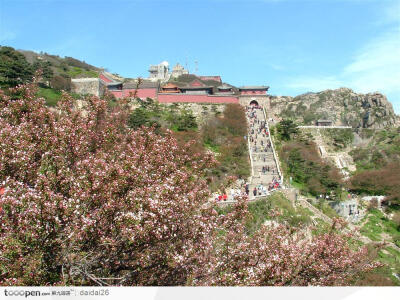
x=178 y=70
x=159 y=72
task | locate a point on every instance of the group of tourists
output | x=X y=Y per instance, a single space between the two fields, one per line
x=260 y=144
x=268 y=169
x=233 y=193
x=260 y=190
x=258 y=128
x=275 y=184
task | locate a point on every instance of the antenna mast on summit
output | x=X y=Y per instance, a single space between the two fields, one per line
x=197 y=67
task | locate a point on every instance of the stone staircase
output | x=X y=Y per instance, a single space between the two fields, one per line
x=304 y=203
x=261 y=154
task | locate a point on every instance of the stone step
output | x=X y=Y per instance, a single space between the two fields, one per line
x=258 y=159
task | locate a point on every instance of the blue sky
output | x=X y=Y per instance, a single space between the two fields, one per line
x=293 y=46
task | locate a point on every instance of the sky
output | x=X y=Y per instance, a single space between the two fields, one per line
x=293 y=46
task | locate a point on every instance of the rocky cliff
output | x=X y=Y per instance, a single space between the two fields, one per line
x=341 y=106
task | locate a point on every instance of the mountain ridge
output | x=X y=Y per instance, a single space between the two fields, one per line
x=342 y=106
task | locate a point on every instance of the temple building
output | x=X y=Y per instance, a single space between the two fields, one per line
x=196 y=87
x=146 y=89
x=225 y=89
x=197 y=90
x=202 y=89
x=170 y=88
x=254 y=95
x=253 y=90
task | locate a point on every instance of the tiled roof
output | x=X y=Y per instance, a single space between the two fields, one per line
x=108 y=80
x=179 y=98
x=196 y=88
x=170 y=85
x=146 y=84
x=224 y=87
x=105 y=78
x=196 y=83
x=254 y=87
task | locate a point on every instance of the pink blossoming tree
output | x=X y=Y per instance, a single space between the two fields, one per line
x=89 y=201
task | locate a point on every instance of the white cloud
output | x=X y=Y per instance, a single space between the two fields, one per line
x=375 y=67
x=379 y=52
x=390 y=13
x=276 y=67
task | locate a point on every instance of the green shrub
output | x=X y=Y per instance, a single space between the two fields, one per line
x=340 y=138
x=61 y=83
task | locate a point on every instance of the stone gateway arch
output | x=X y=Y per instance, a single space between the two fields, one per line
x=254 y=95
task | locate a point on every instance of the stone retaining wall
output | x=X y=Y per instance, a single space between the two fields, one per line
x=88 y=86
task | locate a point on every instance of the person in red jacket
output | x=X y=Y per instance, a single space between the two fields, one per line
x=225 y=197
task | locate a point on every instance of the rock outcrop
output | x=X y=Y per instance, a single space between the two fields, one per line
x=341 y=106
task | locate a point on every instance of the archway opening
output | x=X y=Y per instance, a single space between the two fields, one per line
x=254 y=103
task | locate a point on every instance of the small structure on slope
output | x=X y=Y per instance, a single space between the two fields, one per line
x=324 y=123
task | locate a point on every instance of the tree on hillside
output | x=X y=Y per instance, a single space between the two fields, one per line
x=141 y=117
x=45 y=67
x=86 y=198
x=14 y=68
x=286 y=128
x=186 y=120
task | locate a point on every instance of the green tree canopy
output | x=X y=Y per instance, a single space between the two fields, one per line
x=45 y=66
x=14 y=68
x=286 y=128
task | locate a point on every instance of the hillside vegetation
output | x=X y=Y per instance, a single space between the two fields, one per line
x=19 y=67
x=221 y=134
x=378 y=165
x=302 y=162
x=62 y=66
x=15 y=70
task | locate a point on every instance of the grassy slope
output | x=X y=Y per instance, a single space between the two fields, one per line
x=50 y=95
x=260 y=212
x=378 y=227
